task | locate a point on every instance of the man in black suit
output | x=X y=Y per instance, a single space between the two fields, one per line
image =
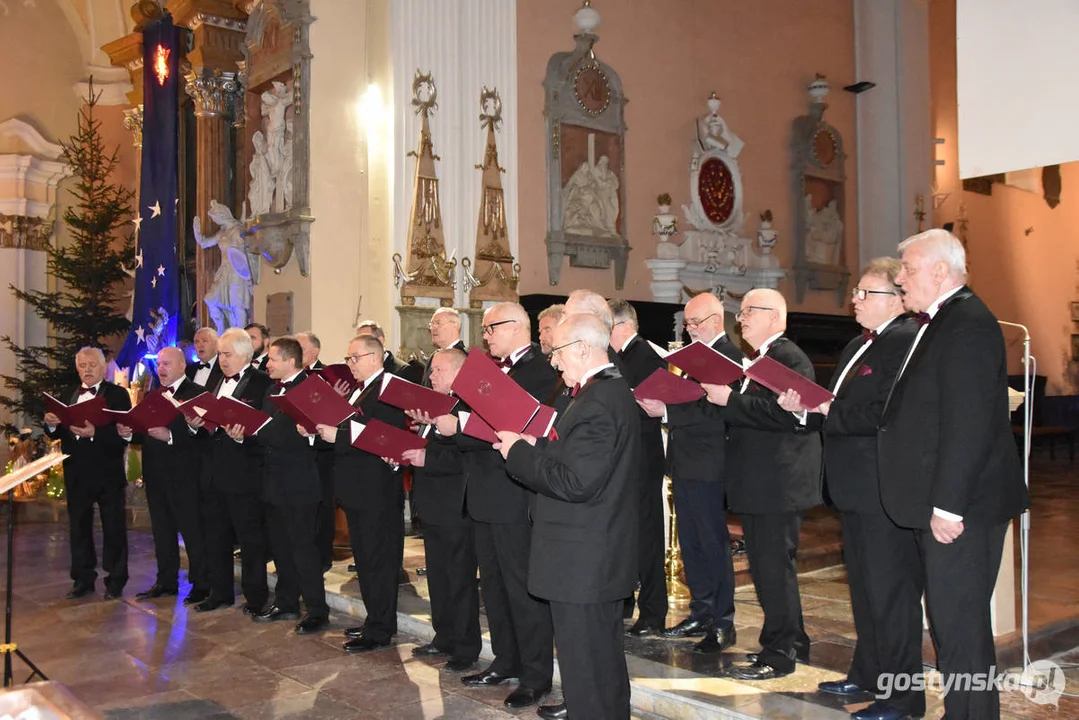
x=232 y=486
x=206 y=372
x=448 y=542
x=773 y=468
x=260 y=342
x=292 y=494
x=696 y=452
x=640 y=361
x=882 y=558
x=521 y=634
x=585 y=516
x=949 y=469
x=171 y=466
x=445 y=327
x=324 y=454
x=372 y=494
x=94 y=473
x=411 y=371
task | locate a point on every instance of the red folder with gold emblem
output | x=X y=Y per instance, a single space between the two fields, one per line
x=226 y=410
x=502 y=403
x=410 y=396
x=705 y=365
x=77 y=415
x=337 y=372
x=473 y=425
x=155 y=410
x=779 y=378
x=665 y=386
x=384 y=440
x=314 y=402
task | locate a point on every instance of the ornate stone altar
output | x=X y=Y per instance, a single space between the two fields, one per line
x=714 y=255
x=586 y=184
x=819 y=180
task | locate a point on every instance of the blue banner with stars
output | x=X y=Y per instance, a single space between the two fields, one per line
x=155 y=321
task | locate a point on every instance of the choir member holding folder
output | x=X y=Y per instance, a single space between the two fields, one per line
x=371 y=492
x=773 y=477
x=696 y=449
x=94 y=473
x=232 y=484
x=881 y=557
x=521 y=634
x=171 y=466
x=582 y=557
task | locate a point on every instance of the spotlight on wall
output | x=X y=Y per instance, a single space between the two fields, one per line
x=860 y=87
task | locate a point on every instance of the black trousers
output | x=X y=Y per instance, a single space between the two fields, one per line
x=450 y=552
x=592 y=660
x=651 y=552
x=174 y=509
x=111 y=503
x=522 y=636
x=326 y=508
x=235 y=515
x=377 y=533
x=706 y=550
x=885 y=577
x=959 y=582
x=772 y=546
x=291 y=531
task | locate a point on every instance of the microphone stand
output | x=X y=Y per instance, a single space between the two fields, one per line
x=9 y=647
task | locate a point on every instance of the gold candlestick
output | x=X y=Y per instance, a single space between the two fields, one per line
x=677 y=592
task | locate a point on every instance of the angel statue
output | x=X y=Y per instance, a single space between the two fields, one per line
x=229 y=297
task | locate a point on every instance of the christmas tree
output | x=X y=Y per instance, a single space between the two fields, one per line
x=84 y=309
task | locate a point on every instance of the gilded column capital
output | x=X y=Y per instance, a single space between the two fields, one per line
x=212 y=89
x=133 y=122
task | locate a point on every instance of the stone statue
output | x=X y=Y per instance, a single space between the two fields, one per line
x=824 y=233
x=159 y=322
x=713 y=133
x=260 y=192
x=590 y=200
x=229 y=297
x=274 y=104
x=282 y=201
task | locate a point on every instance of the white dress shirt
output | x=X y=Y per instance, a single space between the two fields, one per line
x=202 y=375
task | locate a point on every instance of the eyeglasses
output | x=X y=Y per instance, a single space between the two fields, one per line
x=489 y=329
x=861 y=293
x=748 y=310
x=693 y=322
x=433 y=325
x=352 y=359
x=556 y=350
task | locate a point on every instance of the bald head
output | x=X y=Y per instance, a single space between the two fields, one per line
x=704 y=317
x=590 y=303
x=445 y=364
x=506 y=328
x=763 y=314
x=170 y=365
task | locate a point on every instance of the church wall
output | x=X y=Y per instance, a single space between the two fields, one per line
x=1029 y=279
x=758 y=57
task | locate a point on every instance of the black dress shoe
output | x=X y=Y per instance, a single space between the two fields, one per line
x=553 y=712
x=79 y=592
x=351 y=568
x=716 y=640
x=524 y=697
x=642 y=628
x=196 y=596
x=688 y=628
x=428 y=650
x=840 y=687
x=249 y=609
x=212 y=603
x=801 y=655
x=156 y=591
x=113 y=594
x=364 y=643
x=274 y=614
x=879 y=710
x=756 y=671
x=421 y=571
x=487 y=678
x=311 y=625
x=459 y=665
x=355 y=632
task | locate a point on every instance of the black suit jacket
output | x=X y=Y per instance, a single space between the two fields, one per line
x=290 y=476
x=439 y=486
x=695 y=443
x=231 y=466
x=584 y=534
x=215 y=375
x=407 y=371
x=179 y=462
x=98 y=462
x=945 y=439
x=639 y=361
x=261 y=364
x=850 y=429
x=773 y=461
x=360 y=478
x=491 y=496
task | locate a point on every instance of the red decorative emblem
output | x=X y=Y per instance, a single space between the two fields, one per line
x=715 y=188
x=161 y=64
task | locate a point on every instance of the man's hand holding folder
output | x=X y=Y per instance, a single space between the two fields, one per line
x=312 y=403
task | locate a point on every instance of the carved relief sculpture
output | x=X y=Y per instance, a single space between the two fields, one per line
x=260 y=190
x=586 y=195
x=229 y=297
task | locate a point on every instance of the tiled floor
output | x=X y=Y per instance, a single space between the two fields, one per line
x=159 y=660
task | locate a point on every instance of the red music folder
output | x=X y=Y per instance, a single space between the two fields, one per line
x=779 y=378
x=384 y=440
x=665 y=386
x=504 y=404
x=314 y=402
x=155 y=410
x=542 y=422
x=336 y=372
x=77 y=415
x=473 y=425
x=230 y=411
x=410 y=396
x=195 y=408
x=705 y=365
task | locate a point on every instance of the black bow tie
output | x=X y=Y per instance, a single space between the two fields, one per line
x=202 y=366
x=84 y=390
x=922 y=318
x=868 y=335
